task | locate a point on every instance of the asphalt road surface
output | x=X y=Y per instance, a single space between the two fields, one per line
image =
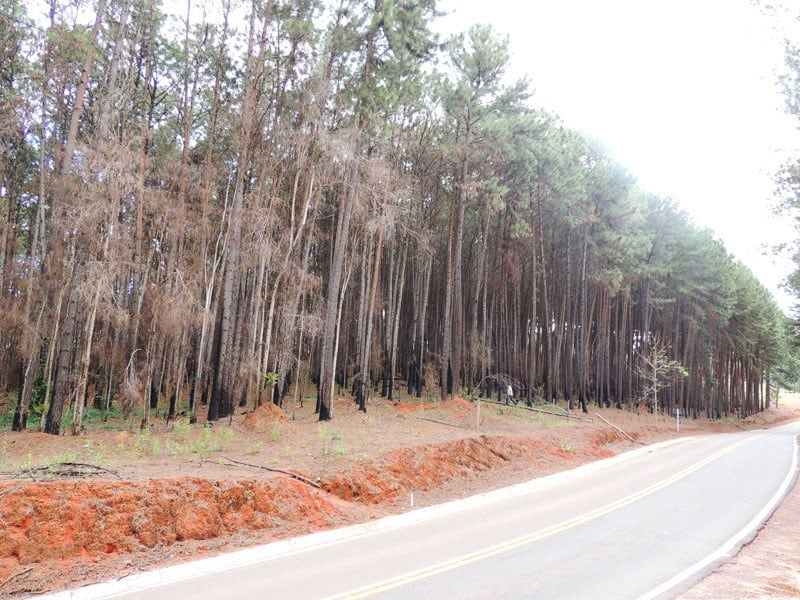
x=645 y=525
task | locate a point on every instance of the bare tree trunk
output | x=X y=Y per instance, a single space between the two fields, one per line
x=533 y=327
x=547 y=321
x=424 y=296
x=475 y=343
x=51 y=356
x=37 y=257
x=458 y=300
x=66 y=349
x=206 y=331
x=83 y=367
x=447 y=314
x=295 y=238
x=367 y=258
x=88 y=338
x=560 y=342
x=226 y=372
x=339 y=306
x=365 y=360
x=569 y=321
x=331 y=322
x=398 y=304
x=583 y=332
x=20 y=419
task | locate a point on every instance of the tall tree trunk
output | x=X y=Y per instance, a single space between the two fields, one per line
x=458 y=298
x=567 y=327
x=66 y=349
x=398 y=304
x=424 y=297
x=447 y=313
x=333 y=301
x=476 y=342
x=547 y=321
x=83 y=367
x=583 y=324
x=223 y=400
x=533 y=324
x=206 y=329
x=330 y=323
x=365 y=357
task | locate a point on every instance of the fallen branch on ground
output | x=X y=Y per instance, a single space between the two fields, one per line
x=539 y=410
x=11 y=489
x=15 y=575
x=273 y=470
x=620 y=430
x=66 y=469
x=445 y=423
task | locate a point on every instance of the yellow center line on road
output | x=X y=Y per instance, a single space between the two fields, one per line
x=478 y=555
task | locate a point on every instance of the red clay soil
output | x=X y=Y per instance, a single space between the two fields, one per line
x=263 y=418
x=429 y=466
x=66 y=533
x=57 y=520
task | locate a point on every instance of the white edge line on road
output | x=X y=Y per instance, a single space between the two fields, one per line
x=725 y=550
x=242 y=558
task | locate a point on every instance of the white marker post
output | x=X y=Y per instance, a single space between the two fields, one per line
x=678 y=419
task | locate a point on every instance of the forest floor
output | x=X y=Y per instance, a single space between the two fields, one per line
x=116 y=501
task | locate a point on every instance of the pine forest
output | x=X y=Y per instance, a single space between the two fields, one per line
x=204 y=207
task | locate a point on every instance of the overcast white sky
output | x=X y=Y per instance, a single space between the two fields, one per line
x=683 y=92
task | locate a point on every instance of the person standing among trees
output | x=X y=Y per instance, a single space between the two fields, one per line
x=510 y=395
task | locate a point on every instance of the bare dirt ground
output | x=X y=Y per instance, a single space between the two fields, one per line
x=116 y=500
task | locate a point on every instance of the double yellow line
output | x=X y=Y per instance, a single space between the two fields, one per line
x=478 y=555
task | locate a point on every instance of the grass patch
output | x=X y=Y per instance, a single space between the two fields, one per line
x=331 y=442
x=212 y=440
x=275 y=432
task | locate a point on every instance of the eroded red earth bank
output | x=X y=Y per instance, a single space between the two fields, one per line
x=83 y=529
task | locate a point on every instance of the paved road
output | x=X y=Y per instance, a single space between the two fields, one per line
x=642 y=527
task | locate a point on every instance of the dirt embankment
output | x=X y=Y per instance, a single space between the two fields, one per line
x=71 y=532
x=62 y=520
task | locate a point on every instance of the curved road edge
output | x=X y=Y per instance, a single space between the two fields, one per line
x=702 y=568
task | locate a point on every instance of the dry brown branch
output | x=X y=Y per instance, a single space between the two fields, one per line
x=620 y=430
x=66 y=469
x=12 y=489
x=15 y=575
x=273 y=470
x=539 y=410
x=445 y=423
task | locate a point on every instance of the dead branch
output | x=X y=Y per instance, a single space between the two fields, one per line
x=10 y=490
x=539 y=410
x=15 y=575
x=273 y=470
x=620 y=430
x=66 y=469
x=445 y=423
